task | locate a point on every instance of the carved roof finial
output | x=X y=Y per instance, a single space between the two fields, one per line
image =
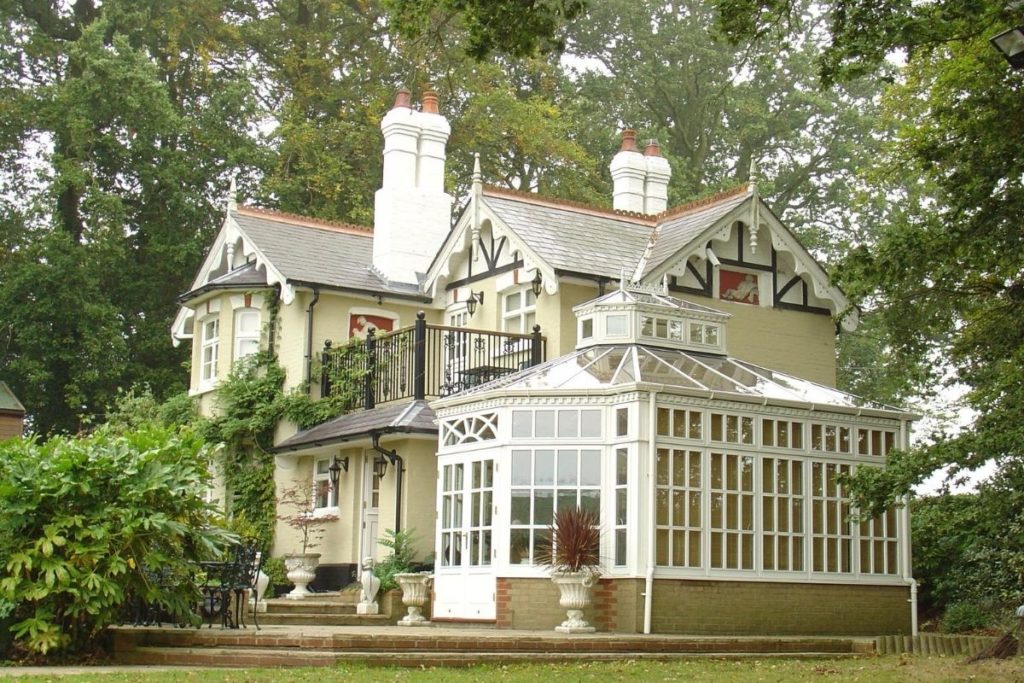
x=232 y=197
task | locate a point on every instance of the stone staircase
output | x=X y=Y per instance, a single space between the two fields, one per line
x=288 y=646
x=329 y=609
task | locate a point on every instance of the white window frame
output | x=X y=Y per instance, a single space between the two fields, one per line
x=249 y=336
x=322 y=475
x=523 y=313
x=209 y=350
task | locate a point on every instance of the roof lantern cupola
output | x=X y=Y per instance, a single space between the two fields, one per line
x=647 y=315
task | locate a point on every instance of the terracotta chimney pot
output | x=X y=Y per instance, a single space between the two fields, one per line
x=430 y=102
x=652 y=149
x=403 y=99
x=628 y=141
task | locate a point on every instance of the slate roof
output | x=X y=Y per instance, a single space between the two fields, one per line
x=9 y=403
x=415 y=416
x=681 y=226
x=571 y=238
x=315 y=252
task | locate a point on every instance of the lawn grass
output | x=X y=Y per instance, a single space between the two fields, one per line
x=889 y=668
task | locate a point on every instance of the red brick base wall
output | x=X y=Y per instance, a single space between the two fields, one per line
x=714 y=607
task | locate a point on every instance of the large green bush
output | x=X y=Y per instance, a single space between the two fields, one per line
x=84 y=521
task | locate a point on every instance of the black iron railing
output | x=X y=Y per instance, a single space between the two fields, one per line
x=424 y=361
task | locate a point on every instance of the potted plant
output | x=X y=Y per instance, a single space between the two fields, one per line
x=571 y=551
x=397 y=569
x=301 y=566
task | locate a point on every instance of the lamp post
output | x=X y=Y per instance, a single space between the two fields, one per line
x=1011 y=45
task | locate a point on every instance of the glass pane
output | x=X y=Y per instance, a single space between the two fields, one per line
x=620 y=507
x=544 y=423
x=616 y=325
x=661 y=328
x=695 y=423
x=747 y=435
x=568 y=424
x=694 y=548
x=522 y=424
x=678 y=549
x=590 y=423
x=661 y=547
x=661 y=507
x=767 y=433
x=475 y=510
x=486 y=508
x=663 y=421
x=543 y=507
x=512 y=302
x=590 y=468
x=566 y=500
x=694 y=519
x=520 y=468
x=620 y=547
x=544 y=462
x=694 y=469
x=567 y=473
x=716 y=427
x=678 y=508
x=476 y=475
x=590 y=499
x=647 y=326
x=519 y=546
x=711 y=335
x=663 y=464
x=520 y=508
x=621 y=466
x=621 y=421
x=679 y=468
x=679 y=423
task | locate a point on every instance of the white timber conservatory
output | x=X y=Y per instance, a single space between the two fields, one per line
x=704 y=469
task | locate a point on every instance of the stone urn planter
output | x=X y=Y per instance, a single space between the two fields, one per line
x=574 y=596
x=571 y=551
x=415 y=591
x=301 y=570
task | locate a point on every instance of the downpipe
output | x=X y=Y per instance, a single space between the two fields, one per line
x=652 y=428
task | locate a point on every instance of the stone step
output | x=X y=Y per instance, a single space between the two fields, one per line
x=309 y=607
x=387 y=639
x=299 y=618
x=248 y=657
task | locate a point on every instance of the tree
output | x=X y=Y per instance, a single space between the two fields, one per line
x=717 y=108
x=121 y=121
x=519 y=29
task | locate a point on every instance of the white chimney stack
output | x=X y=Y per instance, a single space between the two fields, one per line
x=658 y=174
x=639 y=181
x=412 y=212
x=629 y=172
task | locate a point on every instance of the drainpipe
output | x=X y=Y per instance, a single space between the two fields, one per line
x=905 y=520
x=399 y=465
x=652 y=436
x=309 y=337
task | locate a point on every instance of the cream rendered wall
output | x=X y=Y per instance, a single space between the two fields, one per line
x=418 y=492
x=562 y=331
x=797 y=342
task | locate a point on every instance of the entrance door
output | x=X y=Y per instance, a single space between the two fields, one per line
x=464 y=582
x=371 y=504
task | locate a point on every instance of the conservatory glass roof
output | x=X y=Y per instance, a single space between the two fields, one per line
x=605 y=367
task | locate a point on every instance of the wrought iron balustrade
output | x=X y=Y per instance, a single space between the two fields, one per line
x=424 y=361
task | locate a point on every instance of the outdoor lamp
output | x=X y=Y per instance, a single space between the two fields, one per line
x=474 y=299
x=337 y=465
x=1011 y=45
x=380 y=466
x=537 y=283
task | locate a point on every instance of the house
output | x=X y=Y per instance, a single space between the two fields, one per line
x=671 y=367
x=12 y=414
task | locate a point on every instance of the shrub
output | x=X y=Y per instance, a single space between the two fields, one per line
x=401 y=560
x=964 y=616
x=83 y=519
x=573 y=542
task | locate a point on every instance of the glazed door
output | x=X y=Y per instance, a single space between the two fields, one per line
x=464 y=583
x=371 y=503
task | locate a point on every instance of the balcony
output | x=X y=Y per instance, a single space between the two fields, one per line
x=423 y=362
